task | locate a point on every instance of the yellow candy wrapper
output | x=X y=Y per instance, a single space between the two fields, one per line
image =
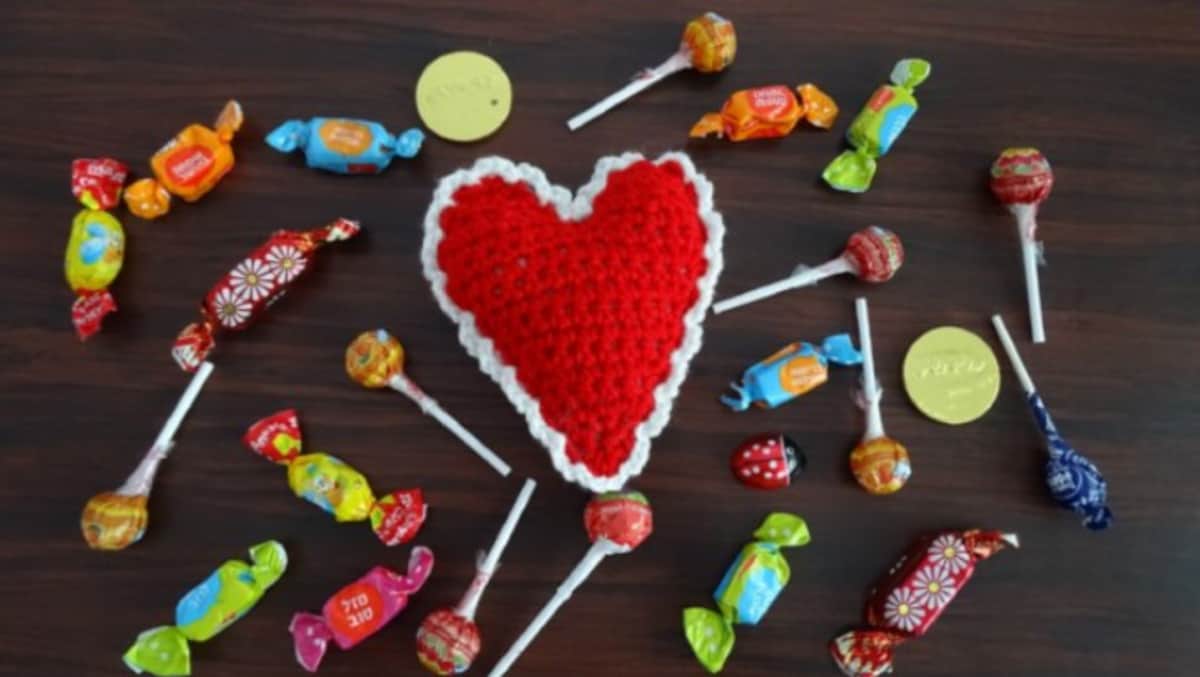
x=96 y=247
x=188 y=166
x=334 y=486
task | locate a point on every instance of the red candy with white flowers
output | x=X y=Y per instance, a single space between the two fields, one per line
x=915 y=592
x=253 y=285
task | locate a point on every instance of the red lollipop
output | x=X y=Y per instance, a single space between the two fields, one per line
x=1021 y=180
x=873 y=254
x=616 y=523
x=448 y=640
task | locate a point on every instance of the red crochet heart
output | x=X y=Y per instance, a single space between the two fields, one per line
x=586 y=310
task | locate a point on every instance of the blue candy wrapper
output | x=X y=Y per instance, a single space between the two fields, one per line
x=790 y=372
x=751 y=585
x=1074 y=481
x=344 y=145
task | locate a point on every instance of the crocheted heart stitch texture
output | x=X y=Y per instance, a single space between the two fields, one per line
x=586 y=310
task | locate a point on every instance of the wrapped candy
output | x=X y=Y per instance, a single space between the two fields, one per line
x=877 y=127
x=1021 y=180
x=751 y=583
x=914 y=593
x=879 y=463
x=224 y=597
x=96 y=248
x=709 y=44
x=872 y=254
x=767 y=461
x=333 y=486
x=616 y=523
x=116 y=520
x=358 y=610
x=188 y=166
x=448 y=640
x=344 y=145
x=1073 y=480
x=767 y=113
x=245 y=292
x=792 y=371
x=375 y=359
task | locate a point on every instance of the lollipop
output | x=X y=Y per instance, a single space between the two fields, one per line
x=448 y=639
x=879 y=463
x=873 y=254
x=1074 y=481
x=117 y=519
x=1021 y=180
x=709 y=44
x=616 y=523
x=376 y=360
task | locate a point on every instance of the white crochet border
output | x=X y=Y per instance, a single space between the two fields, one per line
x=572 y=209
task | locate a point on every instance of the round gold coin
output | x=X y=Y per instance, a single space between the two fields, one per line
x=463 y=96
x=951 y=375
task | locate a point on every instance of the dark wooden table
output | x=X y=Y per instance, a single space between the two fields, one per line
x=1107 y=89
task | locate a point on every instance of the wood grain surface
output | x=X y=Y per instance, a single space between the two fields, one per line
x=1106 y=89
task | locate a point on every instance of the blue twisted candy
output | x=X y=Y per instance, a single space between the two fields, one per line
x=1074 y=481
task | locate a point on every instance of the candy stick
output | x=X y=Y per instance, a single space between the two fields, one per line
x=375 y=359
x=1014 y=357
x=616 y=524
x=708 y=45
x=873 y=254
x=1021 y=179
x=879 y=463
x=871 y=389
x=115 y=520
x=448 y=640
x=1073 y=480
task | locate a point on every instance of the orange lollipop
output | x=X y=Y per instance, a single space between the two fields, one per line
x=115 y=520
x=879 y=463
x=709 y=44
x=375 y=359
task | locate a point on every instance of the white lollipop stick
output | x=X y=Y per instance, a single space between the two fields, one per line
x=141 y=479
x=804 y=278
x=600 y=549
x=871 y=391
x=1013 y=356
x=1026 y=229
x=428 y=405
x=681 y=60
x=470 y=601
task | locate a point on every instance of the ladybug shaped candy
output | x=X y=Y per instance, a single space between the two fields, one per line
x=767 y=461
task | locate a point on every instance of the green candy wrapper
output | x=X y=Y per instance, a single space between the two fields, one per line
x=750 y=586
x=877 y=127
x=225 y=596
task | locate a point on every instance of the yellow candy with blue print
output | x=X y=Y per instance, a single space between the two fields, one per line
x=95 y=250
x=329 y=483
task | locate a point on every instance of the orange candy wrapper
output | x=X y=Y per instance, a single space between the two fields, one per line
x=767 y=113
x=187 y=166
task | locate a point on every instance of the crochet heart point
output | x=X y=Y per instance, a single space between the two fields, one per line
x=586 y=309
